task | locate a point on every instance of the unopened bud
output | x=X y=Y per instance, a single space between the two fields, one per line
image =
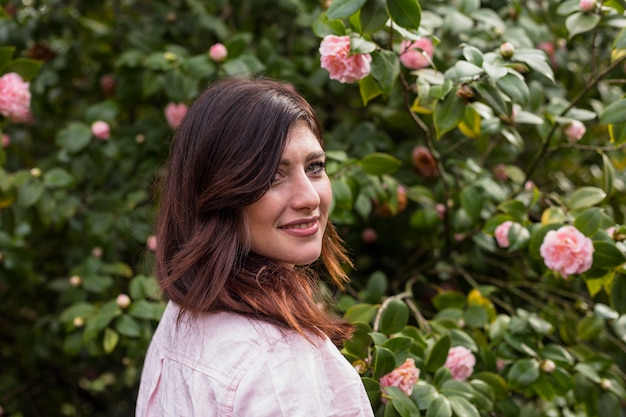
x=35 y=172
x=75 y=281
x=170 y=56
x=548 y=366
x=507 y=50
x=78 y=322
x=122 y=301
x=606 y=384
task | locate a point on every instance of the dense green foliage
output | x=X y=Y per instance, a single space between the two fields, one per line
x=492 y=120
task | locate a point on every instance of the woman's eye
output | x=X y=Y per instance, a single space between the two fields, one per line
x=277 y=176
x=317 y=167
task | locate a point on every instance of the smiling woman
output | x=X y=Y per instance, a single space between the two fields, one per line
x=244 y=210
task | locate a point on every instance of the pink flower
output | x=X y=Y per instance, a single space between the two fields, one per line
x=574 y=130
x=101 y=130
x=151 y=243
x=404 y=377
x=502 y=233
x=567 y=251
x=174 y=114
x=6 y=140
x=14 y=97
x=460 y=362
x=417 y=54
x=218 y=52
x=342 y=66
x=587 y=5
x=122 y=301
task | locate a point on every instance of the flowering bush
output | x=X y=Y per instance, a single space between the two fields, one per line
x=487 y=119
x=340 y=64
x=14 y=97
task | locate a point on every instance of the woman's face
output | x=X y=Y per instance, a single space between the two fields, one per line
x=287 y=224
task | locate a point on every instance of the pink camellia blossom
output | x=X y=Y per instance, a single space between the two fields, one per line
x=574 y=130
x=6 y=140
x=567 y=251
x=404 y=377
x=460 y=362
x=14 y=97
x=151 y=243
x=417 y=54
x=174 y=114
x=587 y=5
x=218 y=52
x=101 y=130
x=502 y=233
x=342 y=66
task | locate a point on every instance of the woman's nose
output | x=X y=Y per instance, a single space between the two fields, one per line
x=304 y=194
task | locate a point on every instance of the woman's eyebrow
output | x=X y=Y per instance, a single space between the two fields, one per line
x=311 y=156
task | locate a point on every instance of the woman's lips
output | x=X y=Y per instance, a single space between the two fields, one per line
x=301 y=228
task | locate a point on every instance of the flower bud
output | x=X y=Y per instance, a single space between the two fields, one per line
x=96 y=252
x=151 y=243
x=122 y=301
x=424 y=162
x=606 y=384
x=574 y=130
x=369 y=235
x=218 y=52
x=587 y=5
x=548 y=366
x=6 y=140
x=75 y=281
x=101 y=130
x=35 y=172
x=170 y=56
x=78 y=322
x=108 y=85
x=507 y=50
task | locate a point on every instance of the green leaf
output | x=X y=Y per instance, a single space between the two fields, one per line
x=128 y=326
x=462 y=407
x=360 y=341
x=586 y=197
x=448 y=114
x=589 y=328
x=6 y=53
x=535 y=59
x=74 y=138
x=514 y=86
x=588 y=222
x=379 y=163
x=372 y=387
x=361 y=313
x=523 y=373
x=383 y=362
x=143 y=309
x=100 y=320
x=57 y=177
x=385 y=68
x=606 y=255
x=369 y=89
x=406 y=13
x=111 y=337
x=394 y=317
x=618 y=294
x=449 y=299
x=472 y=200
x=614 y=112
x=373 y=16
x=439 y=407
x=437 y=354
x=340 y=9
x=26 y=67
x=403 y=405
x=580 y=22
x=80 y=309
x=29 y=193
x=609 y=174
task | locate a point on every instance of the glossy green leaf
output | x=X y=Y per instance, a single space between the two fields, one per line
x=100 y=320
x=385 y=68
x=402 y=404
x=380 y=164
x=373 y=16
x=74 y=138
x=607 y=255
x=57 y=177
x=462 y=407
x=383 y=362
x=439 y=407
x=614 y=112
x=514 y=86
x=618 y=294
x=340 y=9
x=608 y=170
x=109 y=342
x=394 y=317
x=26 y=67
x=580 y=22
x=361 y=313
x=448 y=114
x=128 y=326
x=588 y=222
x=589 y=328
x=585 y=197
x=437 y=355
x=406 y=13
x=360 y=341
x=449 y=299
x=369 y=89
x=523 y=373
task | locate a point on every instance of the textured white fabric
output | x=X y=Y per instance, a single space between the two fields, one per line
x=224 y=365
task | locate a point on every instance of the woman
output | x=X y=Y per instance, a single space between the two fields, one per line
x=244 y=209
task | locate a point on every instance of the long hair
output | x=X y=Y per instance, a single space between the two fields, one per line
x=223 y=157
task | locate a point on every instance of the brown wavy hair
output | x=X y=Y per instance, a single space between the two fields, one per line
x=223 y=157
